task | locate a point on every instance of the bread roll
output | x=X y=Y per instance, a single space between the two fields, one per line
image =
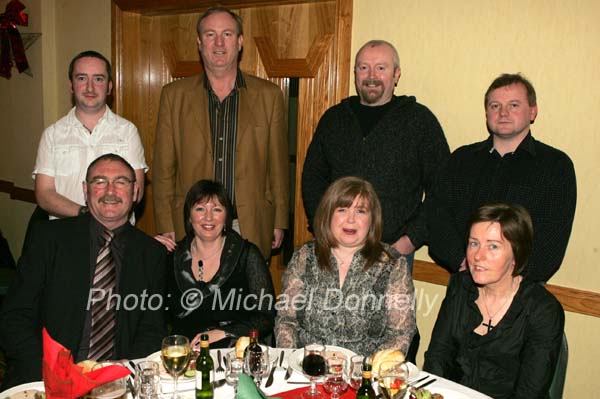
x=386 y=355
x=87 y=365
x=240 y=346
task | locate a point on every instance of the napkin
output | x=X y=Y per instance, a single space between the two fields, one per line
x=297 y=393
x=65 y=379
x=246 y=389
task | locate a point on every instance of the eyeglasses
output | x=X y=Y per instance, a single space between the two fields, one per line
x=117 y=182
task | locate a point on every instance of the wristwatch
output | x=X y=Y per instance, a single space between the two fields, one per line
x=83 y=210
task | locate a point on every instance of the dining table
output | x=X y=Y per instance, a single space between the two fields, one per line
x=186 y=385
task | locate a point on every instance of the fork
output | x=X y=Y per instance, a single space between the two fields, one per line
x=220 y=371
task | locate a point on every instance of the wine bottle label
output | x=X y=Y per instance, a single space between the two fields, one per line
x=211 y=379
x=199 y=380
x=366 y=374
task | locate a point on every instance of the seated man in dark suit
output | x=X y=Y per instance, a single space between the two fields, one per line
x=94 y=281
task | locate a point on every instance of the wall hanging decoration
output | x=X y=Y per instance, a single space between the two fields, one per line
x=12 y=49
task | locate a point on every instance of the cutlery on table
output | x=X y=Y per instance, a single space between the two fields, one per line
x=271 y=374
x=288 y=373
x=299 y=382
x=131 y=378
x=426 y=383
x=220 y=371
x=413 y=383
x=281 y=359
x=219 y=383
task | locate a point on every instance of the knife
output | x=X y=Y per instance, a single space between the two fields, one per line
x=219 y=383
x=270 y=379
x=288 y=373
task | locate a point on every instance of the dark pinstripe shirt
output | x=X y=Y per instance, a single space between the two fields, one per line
x=223 y=126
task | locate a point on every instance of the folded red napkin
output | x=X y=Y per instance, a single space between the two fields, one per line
x=297 y=393
x=65 y=379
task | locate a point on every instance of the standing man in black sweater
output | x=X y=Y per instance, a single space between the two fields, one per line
x=509 y=166
x=392 y=141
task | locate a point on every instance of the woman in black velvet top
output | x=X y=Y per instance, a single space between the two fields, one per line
x=219 y=284
x=496 y=332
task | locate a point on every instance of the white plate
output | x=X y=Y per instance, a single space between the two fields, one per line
x=295 y=358
x=37 y=386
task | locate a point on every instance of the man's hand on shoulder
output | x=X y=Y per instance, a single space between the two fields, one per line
x=404 y=245
x=168 y=240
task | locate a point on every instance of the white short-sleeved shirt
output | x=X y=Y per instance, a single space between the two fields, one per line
x=67 y=148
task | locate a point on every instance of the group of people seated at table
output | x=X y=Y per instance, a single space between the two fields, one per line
x=496 y=331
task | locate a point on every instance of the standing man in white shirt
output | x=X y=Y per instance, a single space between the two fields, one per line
x=89 y=130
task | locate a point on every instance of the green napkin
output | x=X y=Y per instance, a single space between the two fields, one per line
x=246 y=389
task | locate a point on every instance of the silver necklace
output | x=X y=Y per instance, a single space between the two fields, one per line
x=343 y=260
x=202 y=260
x=491 y=316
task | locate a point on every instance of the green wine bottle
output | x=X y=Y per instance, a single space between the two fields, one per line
x=366 y=389
x=204 y=371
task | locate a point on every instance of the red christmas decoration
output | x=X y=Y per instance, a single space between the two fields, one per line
x=11 y=44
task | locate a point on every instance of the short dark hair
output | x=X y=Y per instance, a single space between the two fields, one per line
x=113 y=158
x=341 y=193
x=217 y=9
x=516 y=226
x=204 y=190
x=92 y=54
x=507 y=79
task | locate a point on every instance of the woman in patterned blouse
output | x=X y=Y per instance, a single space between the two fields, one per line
x=347 y=288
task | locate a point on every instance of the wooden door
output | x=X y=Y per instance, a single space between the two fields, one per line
x=154 y=42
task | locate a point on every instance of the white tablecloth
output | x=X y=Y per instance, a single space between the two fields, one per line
x=449 y=389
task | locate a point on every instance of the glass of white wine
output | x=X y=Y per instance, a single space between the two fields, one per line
x=393 y=379
x=175 y=355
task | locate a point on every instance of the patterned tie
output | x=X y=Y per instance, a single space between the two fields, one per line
x=102 y=334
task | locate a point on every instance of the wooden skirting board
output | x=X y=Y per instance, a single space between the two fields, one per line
x=572 y=299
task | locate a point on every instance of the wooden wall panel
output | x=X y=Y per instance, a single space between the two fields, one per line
x=151 y=49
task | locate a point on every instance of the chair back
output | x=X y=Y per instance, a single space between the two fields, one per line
x=558 y=381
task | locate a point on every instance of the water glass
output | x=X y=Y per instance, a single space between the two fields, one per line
x=335 y=377
x=257 y=365
x=147 y=380
x=110 y=390
x=235 y=366
x=356 y=365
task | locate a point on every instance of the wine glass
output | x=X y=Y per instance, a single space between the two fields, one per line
x=393 y=379
x=175 y=355
x=313 y=366
x=257 y=364
x=355 y=376
x=235 y=366
x=335 y=377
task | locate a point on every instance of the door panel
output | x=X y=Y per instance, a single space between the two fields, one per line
x=154 y=44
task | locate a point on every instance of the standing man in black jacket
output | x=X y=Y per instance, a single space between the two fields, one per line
x=76 y=263
x=392 y=141
x=509 y=166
